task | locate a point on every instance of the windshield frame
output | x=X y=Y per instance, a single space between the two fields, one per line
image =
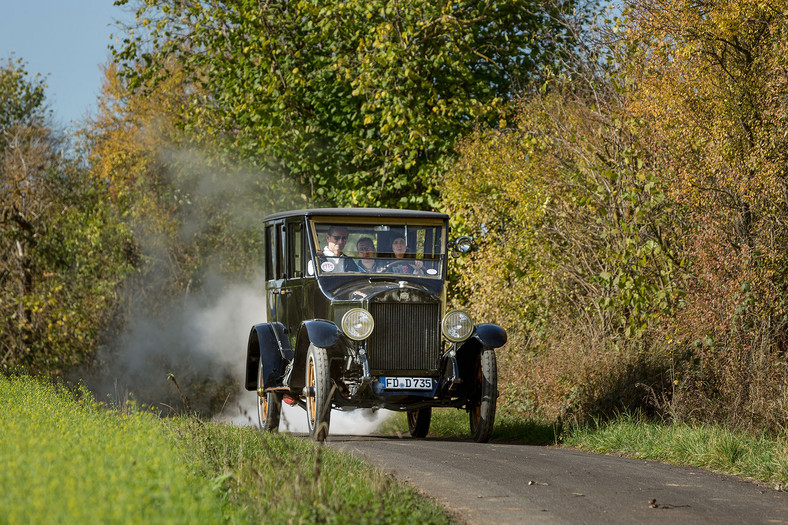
x=427 y=246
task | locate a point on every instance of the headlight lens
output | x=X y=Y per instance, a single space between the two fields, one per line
x=457 y=326
x=357 y=324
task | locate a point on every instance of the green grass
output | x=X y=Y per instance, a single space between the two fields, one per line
x=761 y=458
x=68 y=460
x=758 y=457
x=284 y=479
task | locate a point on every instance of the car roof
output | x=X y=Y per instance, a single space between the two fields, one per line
x=358 y=212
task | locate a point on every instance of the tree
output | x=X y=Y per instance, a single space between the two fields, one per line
x=21 y=100
x=361 y=101
x=709 y=78
x=61 y=252
x=191 y=209
x=637 y=218
x=196 y=217
x=579 y=245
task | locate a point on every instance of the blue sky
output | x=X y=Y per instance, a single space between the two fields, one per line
x=66 y=40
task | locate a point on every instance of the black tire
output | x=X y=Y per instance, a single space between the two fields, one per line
x=481 y=404
x=419 y=422
x=318 y=398
x=269 y=406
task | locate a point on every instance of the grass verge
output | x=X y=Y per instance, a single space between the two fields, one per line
x=758 y=457
x=68 y=459
x=454 y=423
x=761 y=458
x=71 y=461
x=279 y=478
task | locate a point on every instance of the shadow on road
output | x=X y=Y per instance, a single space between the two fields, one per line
x=507 y=430
x=526 y=432
x=510 y=433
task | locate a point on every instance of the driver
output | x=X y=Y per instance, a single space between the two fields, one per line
x=399 y=247
x=336 y=260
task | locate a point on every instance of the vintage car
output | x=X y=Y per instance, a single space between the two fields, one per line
x=356 y=318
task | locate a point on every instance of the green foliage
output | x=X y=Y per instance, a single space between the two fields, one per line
x=62 y=248
x=21 y=98
x=72 y=461
x=710 y=85
x=191 y=203
x=578 y=233
x=360 y=101
x=635 y=217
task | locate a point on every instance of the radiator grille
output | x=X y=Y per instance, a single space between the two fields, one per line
x=406 y=337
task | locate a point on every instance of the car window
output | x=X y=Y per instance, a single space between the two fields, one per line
x=296 y=261
x=273 y=262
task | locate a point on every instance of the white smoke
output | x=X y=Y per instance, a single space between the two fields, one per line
x=199 y=340
x=191 y=351
x=293 y=419
x=187 y=354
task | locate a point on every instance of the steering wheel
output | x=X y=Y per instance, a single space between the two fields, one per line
x=414 y=268
x=391 y=265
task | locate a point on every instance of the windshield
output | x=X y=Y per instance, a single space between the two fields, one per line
x=395 y=246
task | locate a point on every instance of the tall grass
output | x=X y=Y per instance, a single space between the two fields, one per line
x=278 y=478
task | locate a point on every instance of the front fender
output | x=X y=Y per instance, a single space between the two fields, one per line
x=265 y=348
x=490 y=335
x=318 y=332
x=468 y=352
x=324 y=334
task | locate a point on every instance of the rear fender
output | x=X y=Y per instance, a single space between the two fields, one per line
x=268 y=344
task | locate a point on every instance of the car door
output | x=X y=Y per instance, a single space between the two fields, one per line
x=292 y=293
x=274 y=272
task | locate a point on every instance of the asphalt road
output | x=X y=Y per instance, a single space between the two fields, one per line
x=510 y=483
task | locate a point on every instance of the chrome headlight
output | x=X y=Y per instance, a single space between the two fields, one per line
x=357 y=324
x=457 y=326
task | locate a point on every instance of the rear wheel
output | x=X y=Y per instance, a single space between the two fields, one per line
x=481 y=405
x=269 y=406
x=318 y=393
x=419 y=422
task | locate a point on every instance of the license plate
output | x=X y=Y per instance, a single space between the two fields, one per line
x=406 y=383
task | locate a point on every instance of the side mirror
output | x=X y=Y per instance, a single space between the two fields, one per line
x=462 y=244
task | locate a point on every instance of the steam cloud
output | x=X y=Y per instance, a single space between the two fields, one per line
x=199 y=338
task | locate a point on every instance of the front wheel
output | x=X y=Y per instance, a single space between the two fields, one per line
x=419 y=422
x=481 y=405
x=318 y=393
x=269 y=406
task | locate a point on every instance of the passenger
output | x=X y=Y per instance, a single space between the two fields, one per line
x=366 y=252
x=336 y=260
x=399 y=246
